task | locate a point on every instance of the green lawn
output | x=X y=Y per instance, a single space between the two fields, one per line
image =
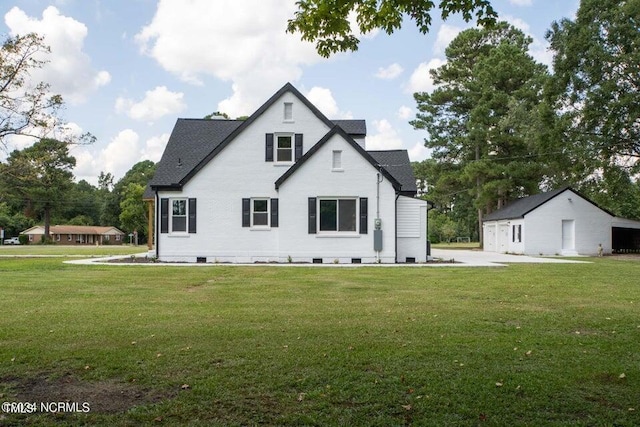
x=78 y=251
x=548 y=344
x=455 y=245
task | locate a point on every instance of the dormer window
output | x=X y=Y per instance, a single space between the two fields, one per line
x=288 y=111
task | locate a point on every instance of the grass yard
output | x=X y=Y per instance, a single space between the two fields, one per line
x=70 y=251
x=548 y=344
x=457 y=245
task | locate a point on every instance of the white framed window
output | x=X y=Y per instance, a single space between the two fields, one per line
x=284 y=148
x=178 y=216
x=117 y=237
x=69 y=237
x=260 y=212
x=336 y=160
x=338 y=215
x=57 y=237
x=288 y=111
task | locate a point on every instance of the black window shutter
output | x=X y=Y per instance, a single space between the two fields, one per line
x=246 y=212
x=274 y=212
x=192 y=215
x=164 y=215
x=363 y=214
x=268 y=147
x=312 y=215
x=298 y=146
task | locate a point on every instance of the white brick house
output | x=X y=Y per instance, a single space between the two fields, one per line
x=287 y=184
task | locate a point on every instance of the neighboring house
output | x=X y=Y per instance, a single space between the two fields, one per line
x=77 y=235
x=560 y=222
x=286 y=185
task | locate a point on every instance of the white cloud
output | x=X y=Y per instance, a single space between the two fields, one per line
x=323 y=99
x=405 y=113
x=446 y=34
x=521 y=2
x=154 y=147
x=385 y=138
x=418 y=152
x=69 y=70
x=389 y=73
x=421 y=80
x=157 y=103
x=118 y=157
x=252 y=50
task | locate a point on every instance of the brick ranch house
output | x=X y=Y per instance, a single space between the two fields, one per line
x=77 y=235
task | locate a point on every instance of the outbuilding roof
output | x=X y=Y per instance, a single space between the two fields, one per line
x=519 y=208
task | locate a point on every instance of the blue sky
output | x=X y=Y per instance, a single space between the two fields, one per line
x=128 y=69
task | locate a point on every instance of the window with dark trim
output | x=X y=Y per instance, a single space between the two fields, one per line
x=178 y=215
x=284 y=148
x=338 y=215
x=259 y=212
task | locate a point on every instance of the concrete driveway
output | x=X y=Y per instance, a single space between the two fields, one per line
x=493 y=259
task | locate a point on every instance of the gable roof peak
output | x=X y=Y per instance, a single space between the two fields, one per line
x=337 y=130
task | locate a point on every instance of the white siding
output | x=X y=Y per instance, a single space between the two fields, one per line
x=592 y=226
x=412 y=229
x=315 y=178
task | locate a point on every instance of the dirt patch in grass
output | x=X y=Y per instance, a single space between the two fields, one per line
x=106 y=396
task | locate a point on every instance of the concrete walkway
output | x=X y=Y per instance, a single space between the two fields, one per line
x=461 y=258
x=478 y=258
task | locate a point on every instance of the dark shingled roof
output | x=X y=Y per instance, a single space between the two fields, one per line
x=519 y=208
x=397 y=163
x=352 y=127
x=191 y=141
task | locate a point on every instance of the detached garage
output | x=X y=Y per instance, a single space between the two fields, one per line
x=560 y=222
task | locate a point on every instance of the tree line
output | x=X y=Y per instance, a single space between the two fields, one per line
x=37 y=188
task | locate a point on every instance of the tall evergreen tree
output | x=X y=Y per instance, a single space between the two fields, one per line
x=483 y=116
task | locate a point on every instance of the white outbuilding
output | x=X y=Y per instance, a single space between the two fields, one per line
x=560 y=222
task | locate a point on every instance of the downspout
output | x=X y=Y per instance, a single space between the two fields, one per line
x=157 y=230
x=396 y=228
x=379 y=179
